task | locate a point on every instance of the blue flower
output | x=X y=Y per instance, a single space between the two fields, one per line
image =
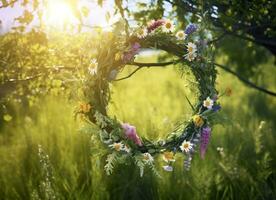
x=216 y=108
x=190 y=29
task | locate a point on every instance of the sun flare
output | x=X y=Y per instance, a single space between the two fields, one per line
x=59 y=14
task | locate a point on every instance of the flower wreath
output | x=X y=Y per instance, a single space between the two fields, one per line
x=122 y=140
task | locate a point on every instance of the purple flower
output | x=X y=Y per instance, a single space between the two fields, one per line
x=128 y=56
x=154 y=24
x=168 y=168
x=216 y=107
x=204 y=140
x=190 y=29
x=136 y=46
x=131 y=134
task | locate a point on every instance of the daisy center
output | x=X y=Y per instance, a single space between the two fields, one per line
x=168 y=25
x=190 y=49
x=186 y=146
x=117 y=147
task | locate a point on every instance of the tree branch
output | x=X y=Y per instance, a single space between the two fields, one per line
x=247 y=82
x=130 y=75
x=244 y=80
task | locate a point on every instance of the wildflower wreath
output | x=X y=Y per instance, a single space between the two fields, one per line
x=191 y=48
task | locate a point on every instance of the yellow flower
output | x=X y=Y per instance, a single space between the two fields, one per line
x=84 y=107
x=198 y=120
x=228 y=91
x=168 y=156
x=118 y=56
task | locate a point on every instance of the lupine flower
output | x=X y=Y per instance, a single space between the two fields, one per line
x=154 y=24
x=148 y=158
x=190 y=29
x=216 y=108
x=131 y=134
x=205 y=137
x=118 y=146
x=198 y=120
x=168 y=156
x=142 y=33
x=168 y=168
x=208 y=103
x=168 y=26
x=187 y=162
x=180 y=35
x=186 y=146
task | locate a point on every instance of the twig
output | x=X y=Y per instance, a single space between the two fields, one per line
x=131 y=74
x=218 y=38
x=250 y=84
x=141 y=65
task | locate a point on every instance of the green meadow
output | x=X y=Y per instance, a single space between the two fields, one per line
x=45 y=153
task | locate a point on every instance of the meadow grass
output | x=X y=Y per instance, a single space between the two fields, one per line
x=44 y=155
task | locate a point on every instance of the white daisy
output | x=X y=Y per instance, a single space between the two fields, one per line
x=208 y=103
x=190 y=56
x=180 y=35
x=168 y=26
x=148 y=158
x=186 y=146
x=93 y=68
x=191 y=47
x=118 y=146
x=142 y=33
x=127 y=149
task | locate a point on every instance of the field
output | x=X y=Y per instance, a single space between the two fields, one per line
x=47 y=154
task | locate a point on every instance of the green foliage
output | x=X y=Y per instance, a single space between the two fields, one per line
x=244 y=169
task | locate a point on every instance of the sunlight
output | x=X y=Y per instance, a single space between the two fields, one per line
x=59 y=14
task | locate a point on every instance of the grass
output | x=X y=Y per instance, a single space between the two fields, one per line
x=70 y=162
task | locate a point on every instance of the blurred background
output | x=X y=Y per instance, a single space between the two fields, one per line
x=46 y=47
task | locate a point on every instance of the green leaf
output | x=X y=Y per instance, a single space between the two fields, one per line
x=7 y=117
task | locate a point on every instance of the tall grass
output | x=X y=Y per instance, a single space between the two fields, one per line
x=44 y=155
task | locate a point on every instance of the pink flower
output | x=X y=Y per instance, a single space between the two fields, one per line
x=130 y=133
x=154 y=24
x=204 y=140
